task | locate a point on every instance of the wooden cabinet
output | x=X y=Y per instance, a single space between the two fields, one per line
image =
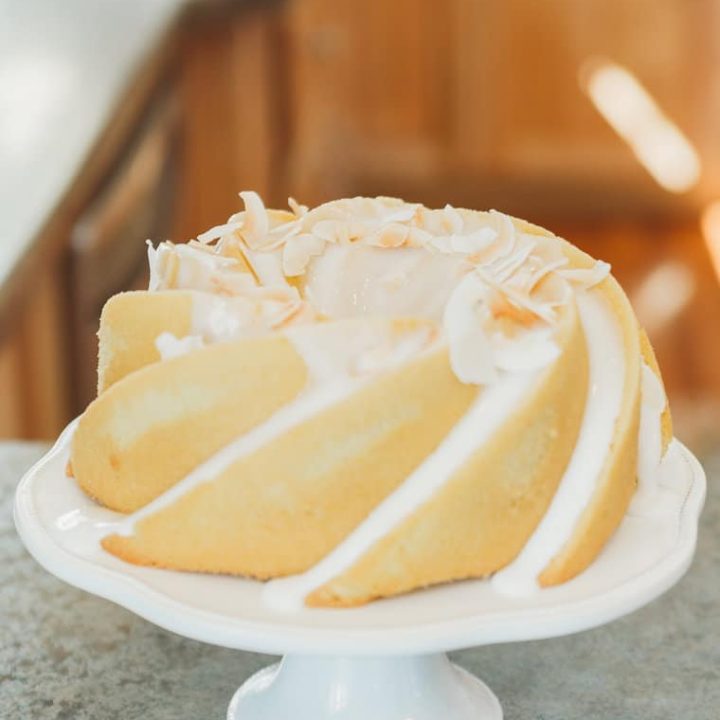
x=108 y=251
x=475 y=103
x=481 y=103
x=370 y=87
x=11 y=399
x=233 y=125
x=34 y=360
x=203 y=119
x=48 y=353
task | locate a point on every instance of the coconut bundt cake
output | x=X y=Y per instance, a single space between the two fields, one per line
x=371 y=397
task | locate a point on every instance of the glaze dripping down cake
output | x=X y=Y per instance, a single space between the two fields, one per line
x=371 y=397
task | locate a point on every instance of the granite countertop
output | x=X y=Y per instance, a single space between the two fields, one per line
x=66 y=655
x=63 y=69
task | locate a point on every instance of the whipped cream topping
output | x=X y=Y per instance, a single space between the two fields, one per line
x=375 y=281
x=195 y=267
x=494 y=288
x=652 y=464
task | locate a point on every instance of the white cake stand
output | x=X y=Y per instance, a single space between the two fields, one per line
x=384 y=661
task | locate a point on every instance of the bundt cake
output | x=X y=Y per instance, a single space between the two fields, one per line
x=370 y=397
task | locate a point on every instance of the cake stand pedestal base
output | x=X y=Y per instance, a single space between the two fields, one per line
x=316 y=687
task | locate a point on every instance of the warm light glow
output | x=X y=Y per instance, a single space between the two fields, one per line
x=710 y=223
x=663 y=294
x=658 y=144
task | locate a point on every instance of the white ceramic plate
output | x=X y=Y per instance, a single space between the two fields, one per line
x=644 y=558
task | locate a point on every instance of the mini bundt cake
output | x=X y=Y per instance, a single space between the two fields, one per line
x=371 y=397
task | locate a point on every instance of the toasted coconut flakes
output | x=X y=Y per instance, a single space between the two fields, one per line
x=328 y=230
x=474 y=242
x=291 y=314
x=556 y=291
x=218 y=231
x=442 y=244
x=501 y=307
x=298 y=251
x=453 y=220
x=392 y=235
x=153 y=260
x=505 y=311
x=516 y=296
x=470 y=351
x=256 y=225
x=172 y=270
x=506 y=232
x=587 y=277
x=402 y=214
x=534 y=277
x=296 y=207
x=502 y=269
x=267 y=267
x=418 y=237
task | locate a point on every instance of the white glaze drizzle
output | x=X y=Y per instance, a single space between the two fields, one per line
x=650 y=452
x=606 y=358
x=306 y=405
x=650 y=498
x=338 y=363
x=492 y=407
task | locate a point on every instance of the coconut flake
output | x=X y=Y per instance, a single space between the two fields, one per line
x=392 y=235
x=214 y=233
x=256 y=223
x=296 y=207
x=453 y=220
x=473 y=242
x=298 y=251
x=514 y=277
x=502 y=269
x=587 y=277
x=152 y=254
x=470 y=352
x=402 y=214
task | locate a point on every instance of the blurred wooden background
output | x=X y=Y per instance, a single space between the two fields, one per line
x=474 y=103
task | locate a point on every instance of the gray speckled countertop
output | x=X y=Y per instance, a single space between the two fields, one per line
x=66 y=655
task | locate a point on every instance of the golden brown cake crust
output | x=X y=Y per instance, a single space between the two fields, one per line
x=129 y=324
x=150 y=429
x=281 y=509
